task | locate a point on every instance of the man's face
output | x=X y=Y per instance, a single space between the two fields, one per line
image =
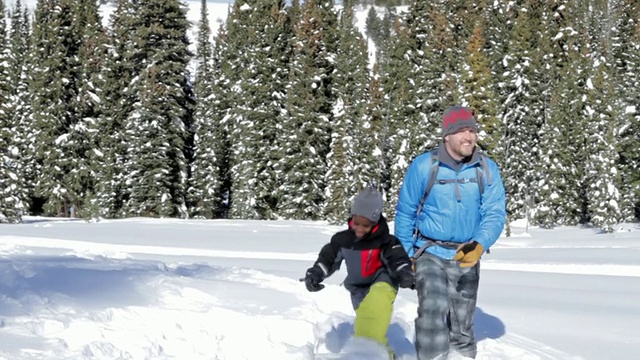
x=462 y=143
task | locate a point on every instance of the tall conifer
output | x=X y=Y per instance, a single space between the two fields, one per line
x=158 y=128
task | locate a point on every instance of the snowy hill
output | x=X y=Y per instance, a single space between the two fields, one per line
x=185 y=289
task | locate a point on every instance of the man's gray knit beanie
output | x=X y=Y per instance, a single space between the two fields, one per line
x=368 y=203
x=457 y=118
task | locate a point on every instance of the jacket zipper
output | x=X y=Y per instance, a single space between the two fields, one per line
x=366 y=268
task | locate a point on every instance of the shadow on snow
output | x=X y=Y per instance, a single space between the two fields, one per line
x=399 y=334
x=31 y=282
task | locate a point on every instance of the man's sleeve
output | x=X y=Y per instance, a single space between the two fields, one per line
x=493 y=209
x=408 y=200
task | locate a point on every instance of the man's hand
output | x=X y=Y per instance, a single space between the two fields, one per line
x=468 y=254
x=313 y=278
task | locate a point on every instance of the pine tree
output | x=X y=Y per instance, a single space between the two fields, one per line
x=374 y=27
x=122 y=65
x=498 y=18
x=309 y=112
x=353 y=161
x=477 y=85
x=205 y=182
x=256 y=33
x=463 y=16
x=396 y=74
x=12 y=189
x=379 y=146
x=626 y=57
x=522 y=115
x=20 y=103
x=60 y=143
x=158 y=127
x=601 y=175
x=91 y=55
x=561 y=190
x=436 y=67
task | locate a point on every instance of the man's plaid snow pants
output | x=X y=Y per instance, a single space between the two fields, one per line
x=447 y=295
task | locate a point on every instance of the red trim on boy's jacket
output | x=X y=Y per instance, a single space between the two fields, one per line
x=370 y=262
x=369 y=259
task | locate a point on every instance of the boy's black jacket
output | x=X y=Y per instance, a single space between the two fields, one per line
x=376 y=257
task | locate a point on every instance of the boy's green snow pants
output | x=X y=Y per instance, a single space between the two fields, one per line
x=373 y=314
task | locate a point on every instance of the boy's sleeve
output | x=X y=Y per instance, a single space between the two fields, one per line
x=395 y=255
x=329 y=258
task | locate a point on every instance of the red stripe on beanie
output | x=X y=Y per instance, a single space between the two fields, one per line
x=456 y=114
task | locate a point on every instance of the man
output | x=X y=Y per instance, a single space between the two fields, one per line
x=445 y=233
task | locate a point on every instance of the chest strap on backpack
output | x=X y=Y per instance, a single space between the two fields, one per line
x=428 y=242
x=482 y=171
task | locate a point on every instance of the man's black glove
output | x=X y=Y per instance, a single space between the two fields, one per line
x=313 y=278
x=406 y=278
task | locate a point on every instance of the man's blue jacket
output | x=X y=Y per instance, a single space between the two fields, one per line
x=453 y=211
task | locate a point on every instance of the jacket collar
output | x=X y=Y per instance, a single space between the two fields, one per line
x=445 y=158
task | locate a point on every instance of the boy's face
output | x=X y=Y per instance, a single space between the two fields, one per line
x=361 y=225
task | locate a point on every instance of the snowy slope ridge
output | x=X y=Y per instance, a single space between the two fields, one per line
x=190 y=289
x=117 y=250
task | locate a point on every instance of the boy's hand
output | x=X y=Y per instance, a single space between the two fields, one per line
x=406 y=278
x=468 y=254
x=313 y=278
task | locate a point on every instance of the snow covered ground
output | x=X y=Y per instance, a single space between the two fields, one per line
x=229 y=290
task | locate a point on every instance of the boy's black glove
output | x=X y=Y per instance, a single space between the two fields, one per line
x=313 y=278
x=406 y=278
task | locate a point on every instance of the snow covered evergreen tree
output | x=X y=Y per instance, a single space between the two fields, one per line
x=158 y=127
x=353 y=162
x=522 y=113
x=61 y=142
x=91 y=56
x=396 y=75
x=123 y=64
x=626 y=58
x=601 y=173
x=13 y=194
x=309 y=109
x=20 y=103
x=561 y=194
x=477 y=93
x=257 y=40
x=436 y=69
x=205 y=182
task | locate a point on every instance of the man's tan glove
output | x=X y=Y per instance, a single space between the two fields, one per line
x=468 y=254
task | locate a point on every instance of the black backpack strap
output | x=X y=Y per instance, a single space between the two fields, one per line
x=483 y=171
x=480 y=180
x=433 y=172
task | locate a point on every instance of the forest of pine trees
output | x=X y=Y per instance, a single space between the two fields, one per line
x=285 y=115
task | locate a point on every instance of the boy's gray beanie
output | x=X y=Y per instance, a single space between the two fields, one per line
x=368 y=203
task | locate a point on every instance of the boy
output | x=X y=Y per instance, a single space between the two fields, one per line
x=376 y=265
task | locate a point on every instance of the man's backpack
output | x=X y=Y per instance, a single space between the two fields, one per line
x=433 y=173
x=481 y=171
